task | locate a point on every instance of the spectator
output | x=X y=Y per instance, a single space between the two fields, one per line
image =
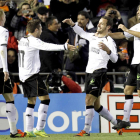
x=12 y=60
x=111 y=11
x=133 y=21
x=123 y=62
x=79 y=65
x=43 y=14
x=53 y=59
x=12 y=42
x=20 y=19
x=34 y=4
x=67 y=9
x=9 y=12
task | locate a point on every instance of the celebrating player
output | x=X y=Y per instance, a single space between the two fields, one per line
x=101 y=49
x=33 y=86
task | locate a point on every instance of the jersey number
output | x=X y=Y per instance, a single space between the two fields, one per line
x=21 y=54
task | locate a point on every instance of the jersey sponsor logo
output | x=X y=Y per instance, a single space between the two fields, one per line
x=138 y=76
x=92 y=82
x=95 y=50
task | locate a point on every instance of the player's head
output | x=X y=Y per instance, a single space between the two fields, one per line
x=105 y=23
x=138 y=12
x=2 y=18
x=25 y=7
x=52 y=24
x=82 y=18
x=34 y=27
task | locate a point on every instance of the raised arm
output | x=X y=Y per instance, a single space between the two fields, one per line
x=134 y=33
x=78 y=30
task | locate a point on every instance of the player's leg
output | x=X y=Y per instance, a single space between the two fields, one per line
x=130 y=86
x=93 y=87
x=104 y=112
x=43 y=108
x=30 y=116
x=6 y=90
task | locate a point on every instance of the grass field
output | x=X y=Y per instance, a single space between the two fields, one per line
x=94 y=136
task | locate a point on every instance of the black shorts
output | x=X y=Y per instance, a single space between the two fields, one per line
x=95 y=82
x=133 y=78
x=34 y=87
x=5 y=87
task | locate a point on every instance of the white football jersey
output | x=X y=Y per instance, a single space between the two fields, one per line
x=97 y=58
x=4 y=35
x=28 y=56
x=136 y=57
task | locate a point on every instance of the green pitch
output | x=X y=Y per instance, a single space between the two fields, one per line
x=94 y=136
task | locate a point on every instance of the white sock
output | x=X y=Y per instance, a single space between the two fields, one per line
x=42 y=114
x=11 y=115
x=106 y=114
x=88 y=119
x=128 y=107
x=29 y=118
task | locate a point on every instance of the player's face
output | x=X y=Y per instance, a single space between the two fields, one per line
x=11 y=57
x=25 y=8
x=102 y=25
x=82 y=21
x=54 y=26
x=43 y=17
x=138 y=12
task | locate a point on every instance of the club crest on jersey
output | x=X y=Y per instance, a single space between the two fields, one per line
x=95 y=50
x=6 y=38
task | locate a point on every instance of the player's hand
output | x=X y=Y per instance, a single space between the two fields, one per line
x=6 y=76
x=104 y=47
x=71 y=47
x=121 y=26
x=19 y=13
x=69 y=21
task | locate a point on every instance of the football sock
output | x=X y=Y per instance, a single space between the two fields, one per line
x=128 y=107
x=11 y=115
x=88 y=118
x=106 y=114
x=30 y=117
x=42 y=114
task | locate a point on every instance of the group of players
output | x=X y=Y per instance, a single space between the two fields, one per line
x=101 y=48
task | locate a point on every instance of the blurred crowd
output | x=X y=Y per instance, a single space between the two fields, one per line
x=85 y=13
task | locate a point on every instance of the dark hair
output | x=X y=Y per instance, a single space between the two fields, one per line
x=33 y=24
x=42 y=10
x=84 y=13
x=109 y=20
x=25 y=4
x=50 y=20
x=110 y=6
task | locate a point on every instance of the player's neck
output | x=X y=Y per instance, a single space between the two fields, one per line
x=33 y=34
x=102 y=34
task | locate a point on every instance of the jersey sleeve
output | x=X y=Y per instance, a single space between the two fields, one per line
x=41 y=45
x=114 y=55
x=134 y=28
x=78 y=30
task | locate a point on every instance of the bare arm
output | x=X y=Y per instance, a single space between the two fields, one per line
x=134 y=33
x=117 y=35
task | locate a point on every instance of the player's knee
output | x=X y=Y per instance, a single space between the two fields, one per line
x=32 y=100
x=128 y=91
x=96 y=106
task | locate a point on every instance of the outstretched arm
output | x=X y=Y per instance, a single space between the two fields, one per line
x=117 y=35
x=78 y=30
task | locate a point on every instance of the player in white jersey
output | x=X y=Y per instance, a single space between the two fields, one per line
x=33 y=86
x=101 y=49
x=133 y=79
x=5 y=82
